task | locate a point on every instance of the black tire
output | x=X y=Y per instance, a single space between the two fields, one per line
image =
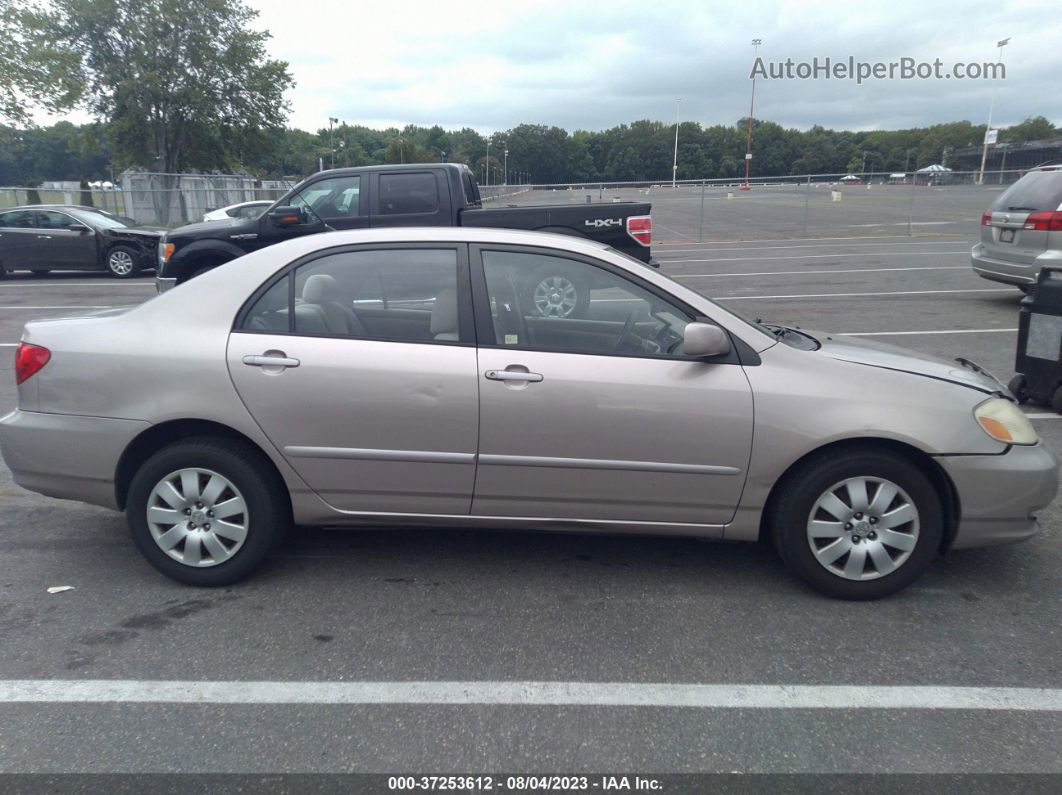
x=790 y=512
x=267 y=519
x=539 y=276
x=1018 y=387
x=122 y=262
x=1056 y=401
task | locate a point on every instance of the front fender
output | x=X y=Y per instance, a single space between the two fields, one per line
x=184 y=261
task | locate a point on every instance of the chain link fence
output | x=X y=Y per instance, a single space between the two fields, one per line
x=813 y=205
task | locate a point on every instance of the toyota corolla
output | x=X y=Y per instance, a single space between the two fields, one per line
x=400 y=376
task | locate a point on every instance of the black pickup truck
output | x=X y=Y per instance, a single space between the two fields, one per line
x=430 y=194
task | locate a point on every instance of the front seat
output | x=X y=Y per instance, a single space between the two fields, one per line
x=319 y=292
x=444 y=315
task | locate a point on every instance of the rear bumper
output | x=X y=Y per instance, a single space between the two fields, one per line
x=999 y=494
x=66 y=456
x=1015 y=273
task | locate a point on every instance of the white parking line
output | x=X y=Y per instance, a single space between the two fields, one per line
x=8 y=344
x=65 y=306
x=590 y=694
x=788 y=240
x=4 y=285
x=812 y=256
x=1044 y=416
x=846 y=270
x=916 y=333
x=859 y=295
x=822 y=245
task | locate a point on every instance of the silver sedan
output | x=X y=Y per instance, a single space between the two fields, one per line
x=401 y=376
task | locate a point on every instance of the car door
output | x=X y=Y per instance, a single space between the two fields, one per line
x=18 y=239
x=597 y=414
x=360 y=366
x=338 y=201
x=62 y=247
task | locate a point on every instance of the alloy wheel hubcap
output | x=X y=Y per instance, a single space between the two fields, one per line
x=121 y=263
x=197 y=517
x=555 y=296
x=863 y=528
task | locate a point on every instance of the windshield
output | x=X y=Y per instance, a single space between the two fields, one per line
x=1037 y=191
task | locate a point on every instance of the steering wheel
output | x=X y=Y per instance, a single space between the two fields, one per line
x=628 y=330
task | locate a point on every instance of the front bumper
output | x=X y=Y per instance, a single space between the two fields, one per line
x=64 y=455
x=999 y=494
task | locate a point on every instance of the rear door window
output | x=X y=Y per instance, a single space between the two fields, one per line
x=408 y=194
x=17 y=219
x=1037 y=191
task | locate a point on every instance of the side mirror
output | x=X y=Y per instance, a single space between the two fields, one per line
x=287 y=216
x=81 y=229
x=704 y=339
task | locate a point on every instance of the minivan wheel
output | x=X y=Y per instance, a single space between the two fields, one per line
x=857 y=525
x=122 y=262
x=206 y=511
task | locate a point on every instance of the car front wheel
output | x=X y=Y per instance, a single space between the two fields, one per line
x=207 y=511
x=122 y=262
x=857 y=524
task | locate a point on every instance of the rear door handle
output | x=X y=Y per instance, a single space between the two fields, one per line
x=258 y=360
x=513 y=375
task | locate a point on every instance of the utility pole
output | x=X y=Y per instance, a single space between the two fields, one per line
x=674 y=161
x=505 y=170
x=991 y=109
x=752 y=106
x=331 y=143
x=488 y=161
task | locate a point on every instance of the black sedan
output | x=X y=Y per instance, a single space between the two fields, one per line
x=61 y=237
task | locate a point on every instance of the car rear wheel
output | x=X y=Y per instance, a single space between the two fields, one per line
x=207 y=511
x=857 y=524
x=122 y=262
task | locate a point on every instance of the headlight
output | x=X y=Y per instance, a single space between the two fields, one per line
x=1004 y=422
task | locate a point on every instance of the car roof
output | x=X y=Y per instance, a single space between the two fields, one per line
x=55 y=207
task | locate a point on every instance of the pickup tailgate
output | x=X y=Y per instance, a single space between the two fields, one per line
x=605 y=223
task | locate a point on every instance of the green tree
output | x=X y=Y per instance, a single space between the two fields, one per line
x=1035 y=128
x=34 y=70
x=183 y=83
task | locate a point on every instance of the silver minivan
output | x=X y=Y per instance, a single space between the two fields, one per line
x=1022 y=231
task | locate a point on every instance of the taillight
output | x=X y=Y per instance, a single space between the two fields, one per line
x=1044 y=222
x=986 y=219
x=640 y=227
x=29 y=359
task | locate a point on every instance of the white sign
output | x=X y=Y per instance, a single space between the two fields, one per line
x=748 y=156
x=991 y=136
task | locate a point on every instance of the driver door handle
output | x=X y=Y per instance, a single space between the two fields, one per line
x=512 y=375
x=257 y=360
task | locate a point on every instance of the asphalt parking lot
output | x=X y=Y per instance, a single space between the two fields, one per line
x=480 y=608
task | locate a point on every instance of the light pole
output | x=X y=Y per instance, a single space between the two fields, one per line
x=991 y=108
x=674 y=161
x=505 y=170
x=907 y=163
x=488 y=161
x=331 y=144
x=1003 y=165
x=752 y=106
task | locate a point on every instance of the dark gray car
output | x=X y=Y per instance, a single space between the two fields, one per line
x=41 y=238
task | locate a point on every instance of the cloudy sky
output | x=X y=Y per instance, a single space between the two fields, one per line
x=591 y=65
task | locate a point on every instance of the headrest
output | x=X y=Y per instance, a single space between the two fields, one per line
x=444 y=312
x=319 y=288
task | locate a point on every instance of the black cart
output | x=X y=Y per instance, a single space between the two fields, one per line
x=1038 y=361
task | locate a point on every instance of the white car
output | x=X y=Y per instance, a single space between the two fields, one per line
x=241 y=210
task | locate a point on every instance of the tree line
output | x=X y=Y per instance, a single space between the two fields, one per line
x=186 y=85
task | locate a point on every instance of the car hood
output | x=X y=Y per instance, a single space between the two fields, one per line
x=210 y=228
x=138 y=231
x=893 y=357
